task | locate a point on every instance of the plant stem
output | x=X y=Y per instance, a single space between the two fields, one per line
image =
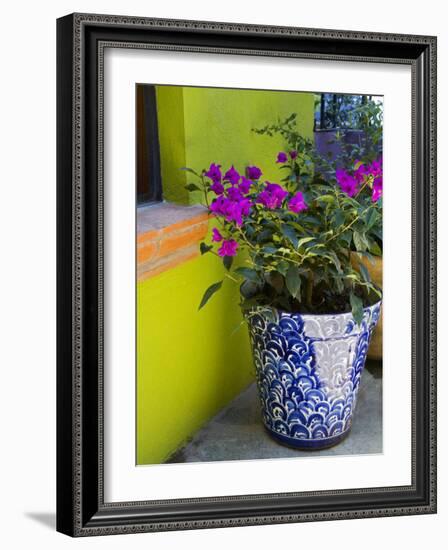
x=367 y=181
x=344 y=229
x=243 y=236
x=231 y=278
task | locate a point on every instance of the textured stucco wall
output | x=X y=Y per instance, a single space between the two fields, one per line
x=222 y=132
x=189 y=363
x=170 y=115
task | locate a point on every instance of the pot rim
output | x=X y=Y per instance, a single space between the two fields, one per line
x=289 y=313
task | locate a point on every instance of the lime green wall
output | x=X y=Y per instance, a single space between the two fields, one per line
x=189 y=363
x=215 y=126
x=223 y=133
x=170 y=115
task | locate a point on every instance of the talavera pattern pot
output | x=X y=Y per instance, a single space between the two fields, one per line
x=308 y=372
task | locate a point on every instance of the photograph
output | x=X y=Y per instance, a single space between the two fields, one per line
x=246 y=311
x=231 y=335
x=258 y=273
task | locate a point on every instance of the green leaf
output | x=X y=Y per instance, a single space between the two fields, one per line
x=346 y=200
x=248 y=273
x=227 y=261
x=346 y=237
x=338 y=219
x=293 y=281
x=312 y=220
x=371 y=217
x=192 y=187
x=282 y=267
x=360 y=241
x=297 y=227
x=334 y=258
x=268 y=250
x=375 y=249
x=204 y=248
x=378 y=233
x=290 y=234
x=248 y=289
x=368 y=256
x=357 y=310
x=249 y=230
x=264 y=236
x=209 y=293
x=330 y=255
x=364 y=272
x=326 y=198
x=304 y=240
x=190 y=170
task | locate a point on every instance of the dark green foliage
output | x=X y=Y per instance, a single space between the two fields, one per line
x=209 y=293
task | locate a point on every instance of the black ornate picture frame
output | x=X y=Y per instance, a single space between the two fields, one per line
x=81 y=509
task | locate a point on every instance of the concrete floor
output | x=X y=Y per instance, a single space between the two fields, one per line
x=236 y=432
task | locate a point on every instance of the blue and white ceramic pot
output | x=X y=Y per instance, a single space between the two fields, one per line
x=308 y=372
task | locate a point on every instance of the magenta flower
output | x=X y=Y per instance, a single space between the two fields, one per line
x=219 y=205
x=376 y=168
x=253 y=172
x=216 y=205
x=216 y=237
x=347 y=183
x=245 y=206
x=360 y=173
x=377 y=191
x=232 y=210
x=214 y=172
x=228 y=248
x=234 y=194
x=217 y=187
x=297 y=203
x=234 y=213
x=232 y=175
x=293 y=154
x=282 y=157
x=237 y=209
x=272 y=196
x=244 y=185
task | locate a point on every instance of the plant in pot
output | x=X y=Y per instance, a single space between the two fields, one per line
x=349 y=168
x=310 y=313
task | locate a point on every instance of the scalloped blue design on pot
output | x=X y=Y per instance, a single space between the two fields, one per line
x=308 y=372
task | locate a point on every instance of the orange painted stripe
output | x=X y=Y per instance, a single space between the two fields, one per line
x=154 y=233
x=152 y=269
x=175 y=240
x=154 y=246
x=146 y=251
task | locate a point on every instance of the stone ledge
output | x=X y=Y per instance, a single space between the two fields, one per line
x=167 y=235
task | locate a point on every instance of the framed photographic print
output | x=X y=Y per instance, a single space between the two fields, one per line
x=246 y=274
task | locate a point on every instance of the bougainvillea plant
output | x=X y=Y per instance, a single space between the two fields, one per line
x=309 y=166
x=293 y=241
